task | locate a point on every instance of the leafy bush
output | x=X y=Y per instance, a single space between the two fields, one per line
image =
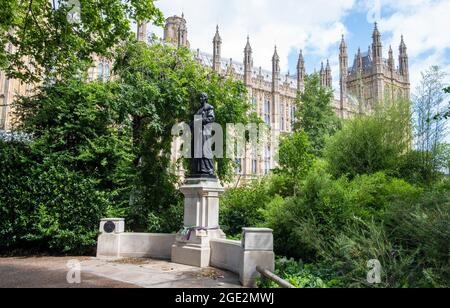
x=241 y=207
x=299 y=275
x=422 y=229
x=369 y=144
x=75 y=168
x=342 y=224
x=324 y=206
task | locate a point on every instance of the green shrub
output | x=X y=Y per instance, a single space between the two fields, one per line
x=324 y=207
x=369 y=144
x=242 y=207
x=300 y=275
x=422 y=229
x=16 y=194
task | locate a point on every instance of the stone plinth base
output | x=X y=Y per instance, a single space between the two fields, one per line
x=201 y=222
x=192 y=255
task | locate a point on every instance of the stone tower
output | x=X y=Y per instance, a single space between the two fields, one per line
x=175 y=31
x=142 y=32
x=403 y=61
x=276 y=75
x=217 y=51
x=248 y=63
x=328 y=77
x=343 y=71
x=301 y=73
x=372 y=78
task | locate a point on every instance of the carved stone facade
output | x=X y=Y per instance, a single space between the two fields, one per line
x=372 y=78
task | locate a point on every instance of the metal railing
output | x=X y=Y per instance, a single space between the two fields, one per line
x=271 y=276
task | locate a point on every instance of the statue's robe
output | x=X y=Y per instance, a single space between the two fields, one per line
x=202 y=162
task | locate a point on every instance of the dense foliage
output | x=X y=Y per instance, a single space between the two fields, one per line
x=103 y=149
x=368 y=144
x=367 y=199
x=315 y=115
x=55 y=188
x=41 y=39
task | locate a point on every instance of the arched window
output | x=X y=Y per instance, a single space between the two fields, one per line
x=282 y=117
x=293 y=111
x=267 y=160
x=100 y=71
x=267 y=111
x=106 y=71
x=254 y=166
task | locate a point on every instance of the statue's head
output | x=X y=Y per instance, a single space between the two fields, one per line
x=203 y=99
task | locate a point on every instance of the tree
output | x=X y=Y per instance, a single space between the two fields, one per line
x=294 y=157
x=42 y=39
x=75 y=170
x=446 y=114
x=371 y=143
x=430 y=128
x=315 y=114
x=159 y=87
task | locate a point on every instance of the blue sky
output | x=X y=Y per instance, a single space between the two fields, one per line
x=316 y=27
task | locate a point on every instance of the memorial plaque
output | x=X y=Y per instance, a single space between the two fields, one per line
x=109 y=227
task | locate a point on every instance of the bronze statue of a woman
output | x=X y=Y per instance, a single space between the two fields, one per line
x=202 y=162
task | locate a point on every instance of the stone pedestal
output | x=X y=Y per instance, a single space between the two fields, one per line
x=201 y=222
x=257 y=245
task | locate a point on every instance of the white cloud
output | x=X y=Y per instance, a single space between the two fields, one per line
x=425 y=25
x=314 y=26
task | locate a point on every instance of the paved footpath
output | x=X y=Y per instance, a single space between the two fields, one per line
x=51 y=272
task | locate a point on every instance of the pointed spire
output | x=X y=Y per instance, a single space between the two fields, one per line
x=248 y=63
x=248 y=47
x=328 y=65
x=275 y=55
x=301 y=61
x=377 y=48
x=402 y=45
x=403 y=60
x=359 y=59
x=343 y=45
x=323 y=78
x=217 y=37
x=275 y=71
x=301 y=72
x=391 y=63
x=376 y=32
x=217 y=51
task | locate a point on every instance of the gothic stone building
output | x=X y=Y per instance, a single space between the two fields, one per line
x=370 y=79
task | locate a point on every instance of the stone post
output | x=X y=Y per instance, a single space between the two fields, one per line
x=201 y=222
x=108 y=244
x=257 y=244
